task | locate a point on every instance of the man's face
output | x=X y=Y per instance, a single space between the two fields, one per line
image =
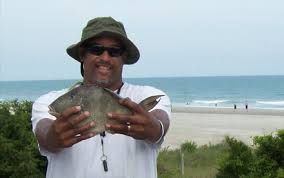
x=103 y=62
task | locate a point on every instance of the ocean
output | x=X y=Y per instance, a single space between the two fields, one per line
x=225 y=92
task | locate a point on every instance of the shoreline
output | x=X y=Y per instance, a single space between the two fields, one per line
x=219 y=110
x=211 y=125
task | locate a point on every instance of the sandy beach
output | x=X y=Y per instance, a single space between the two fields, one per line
x=210 y=125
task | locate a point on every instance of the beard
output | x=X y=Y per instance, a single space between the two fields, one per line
x=103 y=83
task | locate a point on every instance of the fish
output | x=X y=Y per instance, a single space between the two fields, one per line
x=98 y=101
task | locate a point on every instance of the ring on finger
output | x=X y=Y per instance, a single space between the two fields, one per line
x=128 y=128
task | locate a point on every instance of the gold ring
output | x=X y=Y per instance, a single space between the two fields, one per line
x=128 y=128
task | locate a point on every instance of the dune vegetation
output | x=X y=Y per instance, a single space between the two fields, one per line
x=19 y=156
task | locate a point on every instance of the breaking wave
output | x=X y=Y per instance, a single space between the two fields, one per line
x=275 y=103
x=209 y=101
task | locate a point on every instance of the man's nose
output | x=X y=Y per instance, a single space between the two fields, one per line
x=105 y=56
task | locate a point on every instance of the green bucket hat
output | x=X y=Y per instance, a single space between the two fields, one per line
x=105 y=26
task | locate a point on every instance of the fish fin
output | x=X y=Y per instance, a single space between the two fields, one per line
x=112 y=93
x=78 y=83
x=56 y=114
x=150 y=102
x=52 y=112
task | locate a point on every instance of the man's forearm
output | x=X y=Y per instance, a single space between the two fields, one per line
x=41 y=133
x=163 y=117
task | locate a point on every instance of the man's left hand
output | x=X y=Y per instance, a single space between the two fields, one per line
x=141 y=124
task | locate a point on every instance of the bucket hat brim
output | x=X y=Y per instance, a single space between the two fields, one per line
x=131 y=50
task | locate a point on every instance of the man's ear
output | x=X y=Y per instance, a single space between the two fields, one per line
x=82 y=53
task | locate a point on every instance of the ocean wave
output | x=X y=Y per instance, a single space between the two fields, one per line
x=276 y=103
x=209 y=101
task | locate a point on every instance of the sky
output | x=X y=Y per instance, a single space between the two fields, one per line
x=175 y=37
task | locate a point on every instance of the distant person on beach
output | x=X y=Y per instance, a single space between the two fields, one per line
x=235 y=106
x=132 y=150
x=246 y=106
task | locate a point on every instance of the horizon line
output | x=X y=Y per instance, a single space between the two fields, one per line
x=200 y=76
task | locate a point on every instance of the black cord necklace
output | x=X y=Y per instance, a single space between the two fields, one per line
x=103 y=134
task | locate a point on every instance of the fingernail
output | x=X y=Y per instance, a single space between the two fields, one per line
x=92 y=123
x=109 y=114
x=91 y=134
x=107 y=125
x=87 y=113
x=78 y=107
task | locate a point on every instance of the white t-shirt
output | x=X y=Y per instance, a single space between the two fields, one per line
x=126 y=157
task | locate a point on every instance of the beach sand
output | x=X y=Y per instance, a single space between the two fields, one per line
x=211 y=125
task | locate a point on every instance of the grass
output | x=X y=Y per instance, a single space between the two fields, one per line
x=200 y=162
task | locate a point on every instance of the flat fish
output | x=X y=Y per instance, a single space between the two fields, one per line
x=98 y=101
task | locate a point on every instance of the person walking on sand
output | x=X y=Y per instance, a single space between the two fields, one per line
x=131 y=150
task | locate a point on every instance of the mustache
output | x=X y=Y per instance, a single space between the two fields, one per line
x=104 y=63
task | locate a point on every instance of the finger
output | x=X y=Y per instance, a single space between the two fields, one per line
x=72 y=121
x=69 y=112
x=79 y=130
x=122 y=118
x=75 y=119
x=134 y=131
x=131 y=105
x=118 y=128
x=125 y=118
x=74 y=140
x=131 y=129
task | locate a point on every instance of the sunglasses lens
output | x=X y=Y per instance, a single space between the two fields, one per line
x=96 y=49
x=99 y=49
x=115 y=52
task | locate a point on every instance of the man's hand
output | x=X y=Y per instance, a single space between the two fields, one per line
x=140 y=125
x=65 y=130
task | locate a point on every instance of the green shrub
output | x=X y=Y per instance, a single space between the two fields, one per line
x=266 y=159
x=188 y=146
x=19 y=156
x=236 y=162
x=269 y=154
x=280 y=173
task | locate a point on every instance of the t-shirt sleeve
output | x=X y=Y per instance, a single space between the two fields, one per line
x=40 y=108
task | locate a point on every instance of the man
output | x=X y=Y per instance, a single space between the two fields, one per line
x=131 y=152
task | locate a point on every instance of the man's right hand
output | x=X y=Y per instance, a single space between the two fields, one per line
x=65 y=130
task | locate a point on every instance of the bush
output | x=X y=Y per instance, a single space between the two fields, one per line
x=236 y=162
x=189 y=146
x=265 y=160
x=269 y=154
x=19 y=156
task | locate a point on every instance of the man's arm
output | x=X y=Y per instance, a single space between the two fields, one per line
x=165 y=120
x=41 y=131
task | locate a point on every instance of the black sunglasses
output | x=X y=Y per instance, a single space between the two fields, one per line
x=99 y=49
